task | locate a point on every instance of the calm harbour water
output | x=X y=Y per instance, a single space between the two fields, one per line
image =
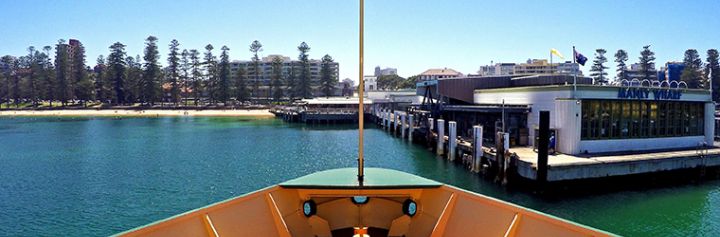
x=99 y=176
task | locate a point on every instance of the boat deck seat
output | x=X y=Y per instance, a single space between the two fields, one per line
x=320 y=226
x=400 y=226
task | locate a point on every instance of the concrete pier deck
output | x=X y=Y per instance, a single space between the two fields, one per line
x=569 y=167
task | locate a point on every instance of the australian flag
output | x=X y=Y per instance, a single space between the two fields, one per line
x=580 y=58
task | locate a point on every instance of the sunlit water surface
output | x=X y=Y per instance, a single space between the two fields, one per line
x=99 y=176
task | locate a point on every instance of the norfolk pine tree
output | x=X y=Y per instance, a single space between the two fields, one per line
x=151 y=72
x=101 y=93
x=256 y=47
x=620 y=58
x=327 y=76
x=646 y=63
x=598 y=68
x=242 y=93
x=211 y=73
x=224 y=71
x=185 y=66
x=48 y=83
x=291 y=87
x=174 y=67
x=277 y=78
x=116 y=70
x=304 y=85
x=712 y=71
x=196 y=74
x=78 y=75
x=692 y=74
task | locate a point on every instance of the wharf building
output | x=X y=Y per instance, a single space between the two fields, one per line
x=584 y=118
x=290 y=68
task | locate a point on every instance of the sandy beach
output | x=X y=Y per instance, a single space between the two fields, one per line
x=141 y=113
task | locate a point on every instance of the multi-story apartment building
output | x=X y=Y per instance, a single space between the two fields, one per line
x=569 y=68
x=290 y=68
x=385 y=71
x=531 y=67
x=498 y=69
x=542 y=66
x=673 y=71
x=635 y=72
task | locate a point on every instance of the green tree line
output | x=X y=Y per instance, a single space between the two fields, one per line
x=696 y=74
x=40 y=79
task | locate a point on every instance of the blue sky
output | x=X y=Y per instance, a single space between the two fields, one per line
x=409 y=35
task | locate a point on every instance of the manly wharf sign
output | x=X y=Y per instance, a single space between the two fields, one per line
x=645 y=93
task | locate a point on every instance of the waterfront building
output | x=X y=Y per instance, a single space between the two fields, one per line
x=635 y=72
x=542 y=66
x=661 y=74
x=288 y=66
x=498 y=69
x=345 y=87
x=71 y=47
x=370 y=83
x=585 y=118
x=569 y=68
x=385 y=71
x=673 y=71
x=438 y=74
x=485 y=70
x=597 y=119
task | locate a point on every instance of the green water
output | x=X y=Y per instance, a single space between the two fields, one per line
x=99 y=176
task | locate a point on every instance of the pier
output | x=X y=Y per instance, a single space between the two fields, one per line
x=492 y=126
x=321 y=110
x=479 y=156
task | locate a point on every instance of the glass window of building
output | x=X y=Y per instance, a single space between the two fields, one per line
x=625 y=119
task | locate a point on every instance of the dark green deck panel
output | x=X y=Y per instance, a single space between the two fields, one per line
x=375 y=178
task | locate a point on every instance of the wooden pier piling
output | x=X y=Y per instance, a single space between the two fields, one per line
x=452 y=140
x=543 y=145
x=394 y=122
x=402 y=126
x=440 y=137
x=385 y=120
x=477 y=148
x=411 y=122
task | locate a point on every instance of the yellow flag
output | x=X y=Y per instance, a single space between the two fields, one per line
x=556 y=53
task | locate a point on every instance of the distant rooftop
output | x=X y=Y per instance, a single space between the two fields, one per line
x=440 y=71
x=337 y=100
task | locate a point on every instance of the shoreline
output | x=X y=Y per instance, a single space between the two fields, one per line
x=139 y=113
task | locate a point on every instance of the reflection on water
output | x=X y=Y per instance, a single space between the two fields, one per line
x=98 y=176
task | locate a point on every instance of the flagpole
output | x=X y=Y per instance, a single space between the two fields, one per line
x=575 y=72
x=551 y=70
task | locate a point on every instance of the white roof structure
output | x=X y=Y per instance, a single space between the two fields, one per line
x=337 y=101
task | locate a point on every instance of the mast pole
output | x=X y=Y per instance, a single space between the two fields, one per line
x=575 y=73
x=361 y=106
